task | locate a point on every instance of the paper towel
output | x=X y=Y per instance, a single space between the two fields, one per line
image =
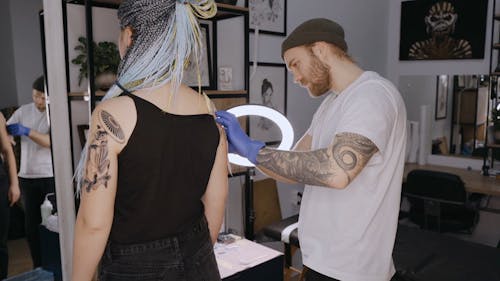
x=424 y=148
x=413 y=141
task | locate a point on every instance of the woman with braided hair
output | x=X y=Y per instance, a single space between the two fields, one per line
x=153 y=175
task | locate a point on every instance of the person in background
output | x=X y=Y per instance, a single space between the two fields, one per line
x=351 y=159
x=153 y=176
x=9 y=193
x=36 y=178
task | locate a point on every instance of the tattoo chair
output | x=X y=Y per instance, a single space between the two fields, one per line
x=439 y=202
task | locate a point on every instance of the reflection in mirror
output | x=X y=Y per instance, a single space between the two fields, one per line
x=458 y=106
x=23 y=103
x=470 y=103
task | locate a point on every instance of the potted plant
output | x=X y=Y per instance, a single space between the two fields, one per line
x=106 y=61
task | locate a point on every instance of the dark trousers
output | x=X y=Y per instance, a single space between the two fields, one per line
x=4 y=225
x=33 y=193
x=187 y=256
x=312 y=275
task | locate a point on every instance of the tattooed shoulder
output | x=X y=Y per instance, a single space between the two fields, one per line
x=111 y=126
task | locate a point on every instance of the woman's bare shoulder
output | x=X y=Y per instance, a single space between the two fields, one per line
x=118 y=112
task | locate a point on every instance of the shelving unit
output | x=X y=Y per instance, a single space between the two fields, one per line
x=222 y=98
x=492 y=149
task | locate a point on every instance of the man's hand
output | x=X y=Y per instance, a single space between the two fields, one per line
x=18 y=129
x=239 y=142
x=14 y=194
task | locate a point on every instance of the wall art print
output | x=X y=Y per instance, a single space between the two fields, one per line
x=437 y=30
x=268 y=15
x=268 y=88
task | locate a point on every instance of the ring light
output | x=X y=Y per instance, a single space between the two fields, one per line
x=271 y=114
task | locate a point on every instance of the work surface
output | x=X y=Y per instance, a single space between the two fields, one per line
x=473 y=180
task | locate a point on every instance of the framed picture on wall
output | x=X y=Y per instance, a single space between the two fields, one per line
x=436 y=30
x=441 y=97
x=190 y=77
x=268 y=88
x=269 y=16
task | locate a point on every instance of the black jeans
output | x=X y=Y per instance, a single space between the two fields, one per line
x=4 y=225
x=33 y=193
x=187 y=256
x=312 y=275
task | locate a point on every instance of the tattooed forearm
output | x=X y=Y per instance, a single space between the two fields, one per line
x=342 y=161
x=97 y=166
x=312 y=167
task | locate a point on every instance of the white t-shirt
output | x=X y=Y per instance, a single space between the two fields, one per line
x=36 y=160
x=349 y=233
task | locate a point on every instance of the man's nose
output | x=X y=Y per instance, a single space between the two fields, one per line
x=296 y=77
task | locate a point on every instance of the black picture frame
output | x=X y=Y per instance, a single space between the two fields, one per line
x=268 y=78
x=272 y=19
x=206 y=67
x=467 y=37
x=442 y=86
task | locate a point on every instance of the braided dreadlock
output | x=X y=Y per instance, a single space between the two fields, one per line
x=166 y=35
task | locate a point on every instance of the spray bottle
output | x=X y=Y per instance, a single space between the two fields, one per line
x=46 y=209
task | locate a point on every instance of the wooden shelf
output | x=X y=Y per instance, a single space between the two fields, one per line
x=494 y=145
x=225 y=92
x=496 y=46
x=497 y=17
x=82 y=95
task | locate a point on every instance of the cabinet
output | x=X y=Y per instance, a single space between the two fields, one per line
x=492 y=152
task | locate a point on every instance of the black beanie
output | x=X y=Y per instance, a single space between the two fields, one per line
x=39 y=84
x=315 y=30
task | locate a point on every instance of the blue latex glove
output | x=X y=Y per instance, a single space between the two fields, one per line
x=18 y=129
x=239 y=142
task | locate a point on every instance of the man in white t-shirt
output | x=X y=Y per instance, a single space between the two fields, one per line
x=30 y=122
x=351 y=159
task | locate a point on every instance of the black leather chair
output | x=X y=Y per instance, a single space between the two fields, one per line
x=439 y=202
x=286 y=231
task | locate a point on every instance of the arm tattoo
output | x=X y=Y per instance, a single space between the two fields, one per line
x=348 y=154
x=97 y=166
x=112 y=126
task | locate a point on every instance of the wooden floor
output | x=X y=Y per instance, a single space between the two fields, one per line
x=19 y=257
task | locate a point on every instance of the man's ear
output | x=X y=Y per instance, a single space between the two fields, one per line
x=320 y=49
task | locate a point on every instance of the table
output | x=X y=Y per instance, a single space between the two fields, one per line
x=247 y=260
x=473 y=180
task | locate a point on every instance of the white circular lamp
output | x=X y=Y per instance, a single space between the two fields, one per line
x=271 y=114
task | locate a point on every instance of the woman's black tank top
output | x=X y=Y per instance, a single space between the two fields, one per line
x=163 y=172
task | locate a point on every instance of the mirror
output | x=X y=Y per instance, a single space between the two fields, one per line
x=458 y=111
x=22 y=63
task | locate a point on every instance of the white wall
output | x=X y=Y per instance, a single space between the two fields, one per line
x=27 y=47
x=7 y=69
x=420 y=90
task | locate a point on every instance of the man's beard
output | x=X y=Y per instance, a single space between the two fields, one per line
x=318 y=82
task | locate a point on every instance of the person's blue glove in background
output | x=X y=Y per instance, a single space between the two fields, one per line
x=239 y=142
x=18 y=129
